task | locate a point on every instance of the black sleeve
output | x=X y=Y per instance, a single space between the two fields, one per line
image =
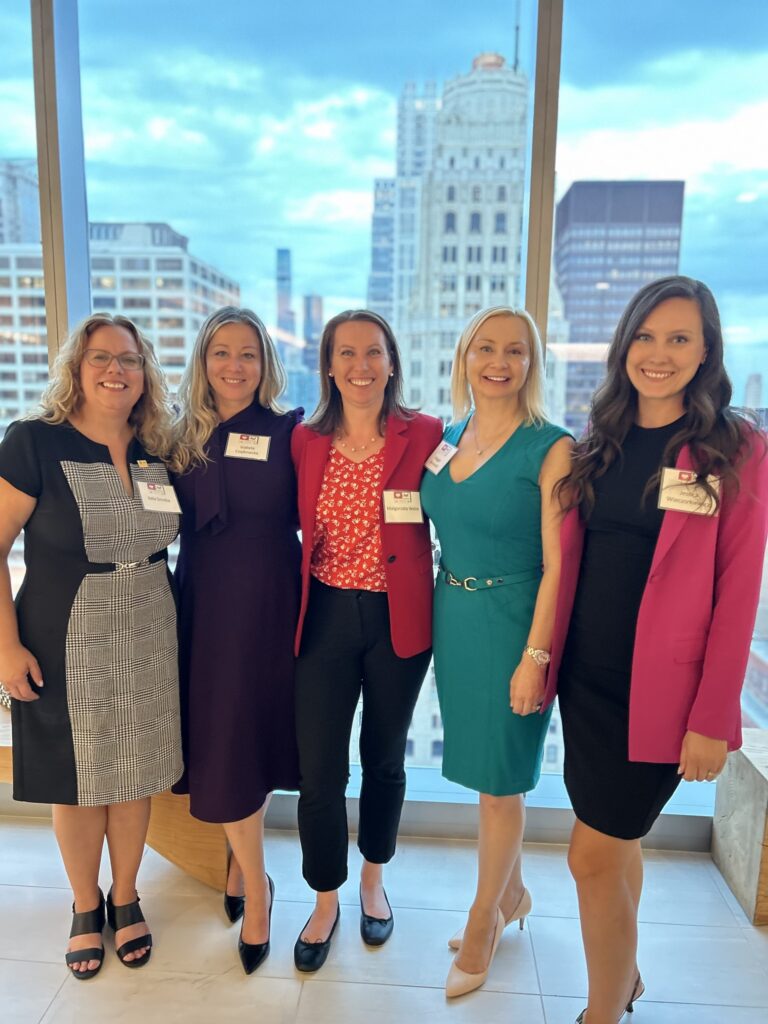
x=19 y=461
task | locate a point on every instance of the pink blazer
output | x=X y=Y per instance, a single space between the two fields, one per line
x=405 y=546
x=696 y=617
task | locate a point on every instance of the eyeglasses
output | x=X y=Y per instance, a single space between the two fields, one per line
x=101 y=360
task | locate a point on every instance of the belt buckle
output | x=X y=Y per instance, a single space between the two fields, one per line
x=451 y=580
x=127 y=565
x=469 y=579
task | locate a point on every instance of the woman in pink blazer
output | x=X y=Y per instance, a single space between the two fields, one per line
x=662 y=552
x=365 y=624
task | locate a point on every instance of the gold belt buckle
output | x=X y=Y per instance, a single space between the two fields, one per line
x=469 y=579
x=451 y=580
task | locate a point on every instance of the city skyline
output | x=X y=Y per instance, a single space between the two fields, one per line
x=228 y=117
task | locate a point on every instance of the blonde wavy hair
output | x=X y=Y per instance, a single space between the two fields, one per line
x=150 y=417
x=198 y=417
x=531 y=395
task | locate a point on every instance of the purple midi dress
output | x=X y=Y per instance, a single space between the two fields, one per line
x=238 y=579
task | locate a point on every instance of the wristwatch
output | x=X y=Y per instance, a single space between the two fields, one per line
x=541 y=657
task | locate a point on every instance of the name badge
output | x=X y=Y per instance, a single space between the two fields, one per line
x=248 y=446
x=158 y=497
x=680 y=492
x=440 y=457
x=402 y=507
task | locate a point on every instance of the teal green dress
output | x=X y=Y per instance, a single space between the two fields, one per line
x=488 y=526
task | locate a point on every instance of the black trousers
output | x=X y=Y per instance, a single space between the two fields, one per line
x=345 y=650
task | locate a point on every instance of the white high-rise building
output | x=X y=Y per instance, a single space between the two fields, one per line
x=458 y=215
x=143 y=271
x=19 y=205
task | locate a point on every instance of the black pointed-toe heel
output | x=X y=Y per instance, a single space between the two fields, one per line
x=252 y=954
x=310 y=956
x=121 y=917
x=375 y=931
x=234 y=906
x=83 y=924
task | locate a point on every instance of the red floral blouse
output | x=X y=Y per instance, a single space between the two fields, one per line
x=347 y=543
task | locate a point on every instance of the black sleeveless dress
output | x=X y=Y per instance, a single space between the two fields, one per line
x=610 y=793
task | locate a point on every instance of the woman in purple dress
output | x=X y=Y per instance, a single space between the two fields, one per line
x=239 y=583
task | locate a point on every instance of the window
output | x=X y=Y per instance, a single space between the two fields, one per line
x=437 y=748
x=29 y=262
x=450 y=193
x=500 y=224
x=102 y=263
x=102 y=282
x=450 y=223
x=168 y=264
x=136 y=284
x=475 y=223
x=133 y=263
x=477 y=193
x=137 y=303
x=501 y=193
x=416 y=368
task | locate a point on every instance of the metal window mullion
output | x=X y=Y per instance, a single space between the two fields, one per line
x=544 y=145
x=61 y=166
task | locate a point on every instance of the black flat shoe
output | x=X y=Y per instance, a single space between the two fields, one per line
x=83 y=924
x=234 y=906
x=310 y=956
x=252 y=954
x=375 y=930
x=122 y=916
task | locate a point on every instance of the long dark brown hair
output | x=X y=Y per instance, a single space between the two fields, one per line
x=719 y=438
x=327 y=417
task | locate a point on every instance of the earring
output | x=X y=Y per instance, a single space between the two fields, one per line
x=330 y=374
x=392 y=373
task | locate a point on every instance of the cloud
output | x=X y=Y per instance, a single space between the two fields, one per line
x=339 y=206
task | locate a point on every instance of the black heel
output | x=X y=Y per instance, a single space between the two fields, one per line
x=83 y=924
x=637 y=991
x=122 y=916
x=252 y=954
x=234 y=906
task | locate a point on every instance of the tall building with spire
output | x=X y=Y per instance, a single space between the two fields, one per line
x=457 y=219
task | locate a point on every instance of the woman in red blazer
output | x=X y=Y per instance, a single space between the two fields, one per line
x=662 y=553
x=365 y=624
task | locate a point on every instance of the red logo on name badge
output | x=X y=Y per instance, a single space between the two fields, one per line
x=244 y=437
x=151 y=487
x=399 y=495
x=685 y=476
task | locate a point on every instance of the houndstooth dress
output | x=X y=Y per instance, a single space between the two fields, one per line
x=97 y=611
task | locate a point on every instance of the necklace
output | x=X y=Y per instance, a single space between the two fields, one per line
x=356 y=448
x=494 y=439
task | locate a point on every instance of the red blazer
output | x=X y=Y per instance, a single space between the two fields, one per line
x=696 y=616
x=406 y=547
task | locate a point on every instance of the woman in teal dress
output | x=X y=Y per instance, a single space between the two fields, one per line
x=498 y=525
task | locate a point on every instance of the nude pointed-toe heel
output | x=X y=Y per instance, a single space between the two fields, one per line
x=459 y=982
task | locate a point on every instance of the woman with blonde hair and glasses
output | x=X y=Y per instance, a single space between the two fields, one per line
x=89 y=652
x=490 y=496
x=239 y=583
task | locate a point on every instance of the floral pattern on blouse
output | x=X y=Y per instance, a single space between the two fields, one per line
x=346 y=551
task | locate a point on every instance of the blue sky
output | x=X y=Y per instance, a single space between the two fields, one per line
x=249 y=125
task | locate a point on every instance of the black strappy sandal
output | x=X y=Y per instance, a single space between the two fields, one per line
x=83 y=924
x=121 y=917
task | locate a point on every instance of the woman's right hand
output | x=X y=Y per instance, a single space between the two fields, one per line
x=16 y=664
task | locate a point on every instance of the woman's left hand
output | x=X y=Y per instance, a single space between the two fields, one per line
x=527 y=686
x=701 y=758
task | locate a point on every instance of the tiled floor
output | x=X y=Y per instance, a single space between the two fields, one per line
x=701 y=960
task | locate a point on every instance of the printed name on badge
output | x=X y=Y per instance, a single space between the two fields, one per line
x=248 y=446
x=402 y=507
x=440 y=457
x=158 y=497
x=680 y=492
